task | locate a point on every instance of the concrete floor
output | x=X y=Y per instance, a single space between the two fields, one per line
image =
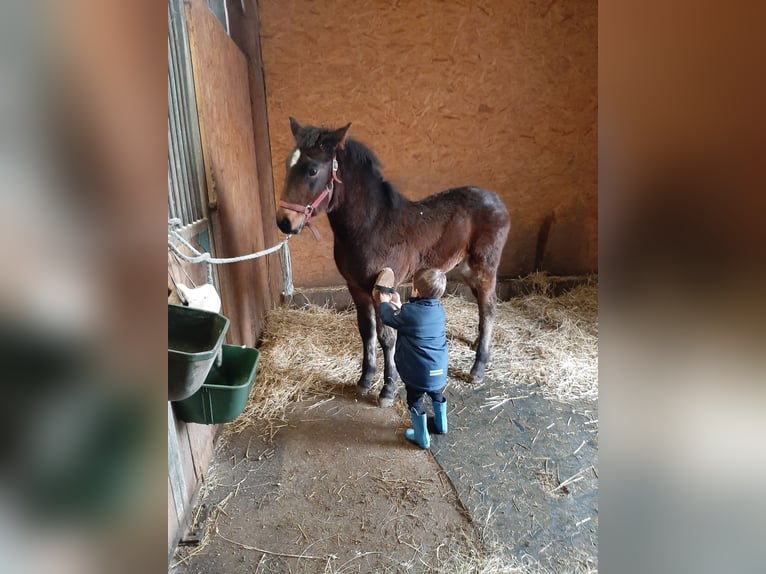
x=527 y=472
x=339 y=489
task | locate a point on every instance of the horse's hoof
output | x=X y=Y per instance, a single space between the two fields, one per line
x=476 y=376
x=362 y=391
x=385 y=402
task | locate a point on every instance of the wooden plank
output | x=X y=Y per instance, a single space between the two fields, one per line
x=222 y=86
x=175 y=470
x=190 y=451
x=173 y=522
x=245 y=31
x=187 y=463
x=201 y=446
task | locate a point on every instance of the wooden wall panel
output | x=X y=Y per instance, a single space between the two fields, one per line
x=177 y=485
x=221 y=81
x=187 y=462
x=173 y=523
x=232 y=126
x=496 y=93
x=190 y=452
x=245 y=31
x=201 y=439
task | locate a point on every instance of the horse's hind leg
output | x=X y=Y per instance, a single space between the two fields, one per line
x=487 y=301
x=387 y=338
x=482 y=284
x=365 y=318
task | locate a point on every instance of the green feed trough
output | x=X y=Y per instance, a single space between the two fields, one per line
x=224 y=394
x=194 y=339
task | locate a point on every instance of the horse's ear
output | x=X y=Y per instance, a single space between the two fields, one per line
x=294 y=127
x=335 y=138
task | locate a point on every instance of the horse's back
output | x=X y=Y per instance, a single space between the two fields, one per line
x=475 y=201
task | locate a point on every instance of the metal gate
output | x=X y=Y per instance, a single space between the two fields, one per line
x=186 y=176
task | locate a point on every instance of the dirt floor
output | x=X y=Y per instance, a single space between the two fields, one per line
x=332 y=485
x=337 y=488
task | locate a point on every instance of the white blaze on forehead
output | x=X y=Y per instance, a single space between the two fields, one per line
x=295 y=157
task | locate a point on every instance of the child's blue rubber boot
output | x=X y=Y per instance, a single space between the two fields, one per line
x=419 y=431
x=440 y=417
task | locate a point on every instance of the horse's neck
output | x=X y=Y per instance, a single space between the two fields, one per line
x=354 y=213
x=362 y=203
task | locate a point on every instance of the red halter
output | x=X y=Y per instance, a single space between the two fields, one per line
x=310 y=209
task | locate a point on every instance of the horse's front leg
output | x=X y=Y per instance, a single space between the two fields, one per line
x=387 y=339
x=365 y=318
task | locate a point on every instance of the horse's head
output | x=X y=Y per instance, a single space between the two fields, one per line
x=310 y=177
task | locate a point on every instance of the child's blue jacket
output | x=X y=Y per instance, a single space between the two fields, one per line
x=421 y=342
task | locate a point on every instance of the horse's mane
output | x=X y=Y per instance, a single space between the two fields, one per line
x=362 y=156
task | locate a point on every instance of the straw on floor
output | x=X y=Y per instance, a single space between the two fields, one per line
x=541 y=342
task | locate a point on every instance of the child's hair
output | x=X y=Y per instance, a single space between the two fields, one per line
x=430 y=283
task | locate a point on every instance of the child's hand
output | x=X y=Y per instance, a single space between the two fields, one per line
x=396 y=300
x=383 y=297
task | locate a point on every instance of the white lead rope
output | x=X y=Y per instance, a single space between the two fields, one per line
x=199 y=257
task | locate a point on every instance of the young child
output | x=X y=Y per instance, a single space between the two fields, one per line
x=421 y=348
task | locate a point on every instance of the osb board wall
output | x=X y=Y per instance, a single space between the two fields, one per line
x=500 y=94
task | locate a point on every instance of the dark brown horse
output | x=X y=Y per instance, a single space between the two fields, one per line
x=375 y=227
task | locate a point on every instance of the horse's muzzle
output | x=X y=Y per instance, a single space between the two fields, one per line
x=285 y=225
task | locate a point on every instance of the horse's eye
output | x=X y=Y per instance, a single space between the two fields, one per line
x=312 y=171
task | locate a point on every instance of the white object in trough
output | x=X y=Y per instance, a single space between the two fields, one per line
x=204 y=297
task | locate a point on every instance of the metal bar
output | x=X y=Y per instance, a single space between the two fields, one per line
x=181 y=97
x=172 y=213
x=181 y=34
x=191 y=231
x=173 y=145
x=177 y=193
x=175 y=185
x=176 y=89
x=184 y=140
x=176 y=145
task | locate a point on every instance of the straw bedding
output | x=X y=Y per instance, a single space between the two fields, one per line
x=541 y=342
x=545 y=342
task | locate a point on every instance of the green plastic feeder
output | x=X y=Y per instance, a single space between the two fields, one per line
x=223 y=395
x=194 y=339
